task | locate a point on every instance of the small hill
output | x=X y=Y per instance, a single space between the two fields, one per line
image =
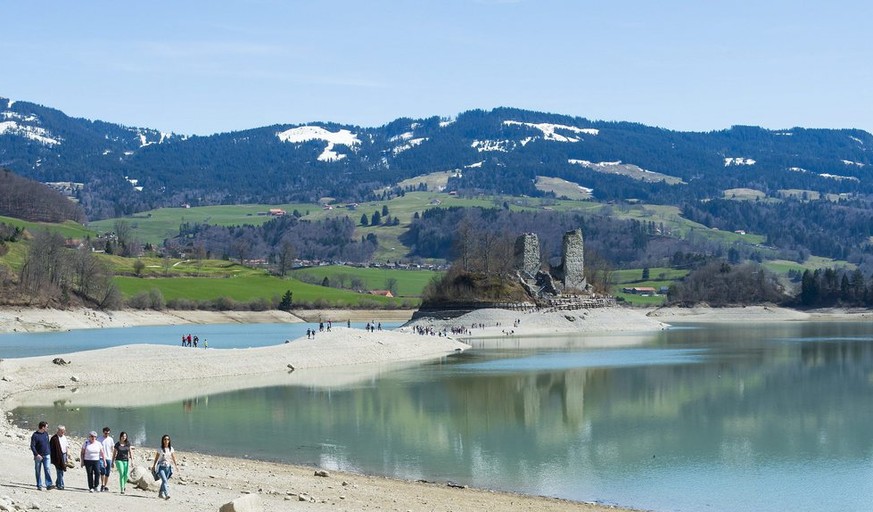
x=33 y=201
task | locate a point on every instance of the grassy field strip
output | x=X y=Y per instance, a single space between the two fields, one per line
x=245 y=289
x=410 y=283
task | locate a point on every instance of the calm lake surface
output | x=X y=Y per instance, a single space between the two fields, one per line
x=721 y=418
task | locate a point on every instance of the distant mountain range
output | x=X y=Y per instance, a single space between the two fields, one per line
x=503 y=151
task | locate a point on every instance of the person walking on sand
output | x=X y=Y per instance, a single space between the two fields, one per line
x=121 y=455
x=58 y=453
x=39 y=445
x=92 y=454
x=165 y=459
x=106 y=466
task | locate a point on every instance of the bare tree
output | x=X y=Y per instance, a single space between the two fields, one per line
x=199 y=255
x=127 y=244
x=45 y=270
x=284 y=256
x=598 y=271
x=465 y=243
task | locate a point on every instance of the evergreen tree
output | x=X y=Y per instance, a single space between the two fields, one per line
x=285 y=304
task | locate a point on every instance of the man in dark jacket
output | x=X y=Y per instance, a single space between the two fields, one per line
x=39 y=445
x=58 y=445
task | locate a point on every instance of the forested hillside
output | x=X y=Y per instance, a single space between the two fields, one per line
x=30 y=200
x=125 y=170
x=812 y=188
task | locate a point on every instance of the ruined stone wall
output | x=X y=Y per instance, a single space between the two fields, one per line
x=527 y=253
x=573 y=260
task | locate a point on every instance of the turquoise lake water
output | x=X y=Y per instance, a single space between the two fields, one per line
x=720 y=418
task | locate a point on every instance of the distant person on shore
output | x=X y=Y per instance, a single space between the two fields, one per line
x=205 y=343
x=106 y=466
x=349 y=323
x=39 y=445
x=91 y=456
x=58 y=446
x=121 y=455
x=165 y=459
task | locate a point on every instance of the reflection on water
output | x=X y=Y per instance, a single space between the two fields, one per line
x=772 y=417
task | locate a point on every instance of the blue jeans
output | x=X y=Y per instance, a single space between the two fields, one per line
x=165 y=471
x=104 y=467
x=59 y=481
x=44 y=464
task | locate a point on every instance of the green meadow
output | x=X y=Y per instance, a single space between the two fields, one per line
x=409 y=283
x=658 y=277
x=249 y=288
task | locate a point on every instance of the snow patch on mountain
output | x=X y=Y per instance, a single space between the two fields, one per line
x=473 y=166
x=402 y=136
x=34 y=133
x=550 y=131
x=738 y=161
x=20 y=117
x=838 y=177
x=409 y=145
x=856 y=139
x=493 y=145
x=824 y=175
x=306 y=133
x=849 y=162
x=630 y=170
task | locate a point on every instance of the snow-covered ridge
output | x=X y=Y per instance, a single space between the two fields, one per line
x=34 y=133
x=550 y=130
x=738 y=161
x=306 y=133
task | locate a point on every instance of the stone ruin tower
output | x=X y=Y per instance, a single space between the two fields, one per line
x=573 y=260
x=527 y=254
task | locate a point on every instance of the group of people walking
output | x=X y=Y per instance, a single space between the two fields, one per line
x=97 y=456
x=193 y=341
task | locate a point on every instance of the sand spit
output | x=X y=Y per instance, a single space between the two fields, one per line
x=205 y=482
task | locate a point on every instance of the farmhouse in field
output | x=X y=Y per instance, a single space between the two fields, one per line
x=640 y=290
x=383 y=293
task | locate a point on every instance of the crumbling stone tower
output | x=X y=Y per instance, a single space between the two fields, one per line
x=527 y=254
x=573 y=260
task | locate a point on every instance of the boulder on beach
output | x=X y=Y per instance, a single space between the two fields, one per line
x=246 y=503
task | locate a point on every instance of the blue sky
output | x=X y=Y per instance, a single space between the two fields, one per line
x=200 y=67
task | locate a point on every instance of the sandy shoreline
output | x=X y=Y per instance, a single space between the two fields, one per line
x=45 y=320
x=205 y=482
x=345 y=356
